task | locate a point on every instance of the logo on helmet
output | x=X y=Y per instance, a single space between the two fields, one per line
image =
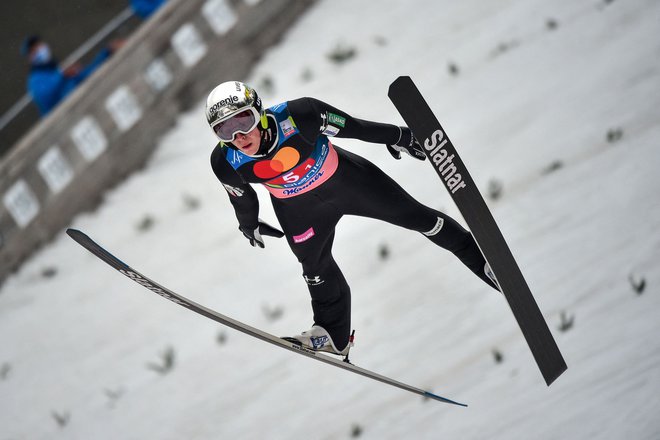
x=223 y=102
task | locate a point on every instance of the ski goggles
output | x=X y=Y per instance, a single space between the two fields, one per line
x=242 y=122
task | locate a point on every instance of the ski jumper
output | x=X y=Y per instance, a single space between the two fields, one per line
x=313 y=183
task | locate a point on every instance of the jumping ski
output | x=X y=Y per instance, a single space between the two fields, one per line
x=142 y=280
x=454 y=175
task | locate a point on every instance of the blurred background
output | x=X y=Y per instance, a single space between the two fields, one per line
x=553 y=106
x=67 y=27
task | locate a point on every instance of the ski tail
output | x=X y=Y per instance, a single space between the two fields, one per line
x=442 y=399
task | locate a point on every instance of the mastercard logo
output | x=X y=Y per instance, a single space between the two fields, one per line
x=285 y=159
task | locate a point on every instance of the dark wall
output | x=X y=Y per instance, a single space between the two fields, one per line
x=65 y=24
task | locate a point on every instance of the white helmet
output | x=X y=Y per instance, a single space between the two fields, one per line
x=231 y=108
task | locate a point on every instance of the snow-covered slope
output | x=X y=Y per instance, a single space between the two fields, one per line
x=556 y=101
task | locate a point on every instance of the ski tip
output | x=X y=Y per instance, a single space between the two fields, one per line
x=73 y=233
x=78 y=236
x=393 y=85
x=402 y=78
x=401 y=81
x=442 y=399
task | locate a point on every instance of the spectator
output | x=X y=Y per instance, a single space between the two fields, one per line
x=144 y=8
x=47 y=83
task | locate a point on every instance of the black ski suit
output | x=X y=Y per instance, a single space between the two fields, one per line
x=313 y=183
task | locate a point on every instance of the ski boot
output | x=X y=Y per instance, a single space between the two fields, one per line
x=318 y=339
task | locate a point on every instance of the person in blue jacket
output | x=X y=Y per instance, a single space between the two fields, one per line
x=144 y=8
x=47 y=83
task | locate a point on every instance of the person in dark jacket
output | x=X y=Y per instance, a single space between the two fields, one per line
x=313 y=183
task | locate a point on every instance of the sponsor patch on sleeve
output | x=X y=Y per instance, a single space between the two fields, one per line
x=233 y=191
x=332 y=124
x=330 y=131
x=336 y=120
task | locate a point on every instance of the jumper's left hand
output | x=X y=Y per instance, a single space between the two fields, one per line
x=408 y=144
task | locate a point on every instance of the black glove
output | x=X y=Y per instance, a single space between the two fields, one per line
x=255 y=235
x=408 y=144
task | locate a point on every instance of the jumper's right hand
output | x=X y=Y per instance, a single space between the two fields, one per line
x=254 y=235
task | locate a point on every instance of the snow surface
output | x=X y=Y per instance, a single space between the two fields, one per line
x=538 y=83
